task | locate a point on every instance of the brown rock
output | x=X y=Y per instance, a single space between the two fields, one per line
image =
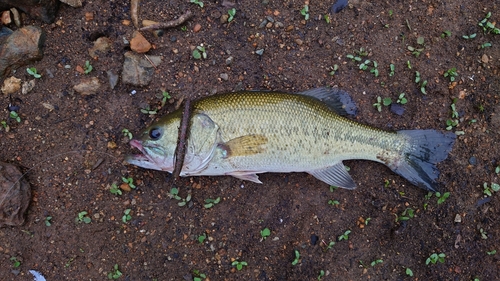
x=15 y=195
x=102 y=44
x=44 y=10
x=197 y=27
x=139 y=44
x=485 y=58
x=79 y=69
x=11 y=85
x=88 y=86
x=73 y=3
x=89 y=16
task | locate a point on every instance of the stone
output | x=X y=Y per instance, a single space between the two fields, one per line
x=44 y=10
x=139 y=44
x=11 y=85
x=112 y=78
x=137 y=70
x=23 y=46
x=485 y=58
x=15 y=195
x=28 y=86
x=102 y=45
x=197 y=28
x=88 y=86
x=72 y=3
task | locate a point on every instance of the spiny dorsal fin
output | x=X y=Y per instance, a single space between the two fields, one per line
x=337 y=100
x=245 y=145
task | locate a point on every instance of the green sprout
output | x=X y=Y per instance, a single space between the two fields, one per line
x=148 y=110
x=127 y=134
x=375 y=262
x=408 y=64
x=333 y=188
x=201 y=238
x=4 y=124
x=47 y=221
x=485 y=45
x=15 y=262
x=15 y=116
x=297 y=257
x=87 y=68
x=197 y=2
x=378 y=104
x=334 y=69
x=164 y=97
x=321 y=274
x=409 y=272
x=305 y=12
x=174 y=193
x=199 y=52
x=451 y=73
x=344 y=236
x=126 y=216
x=422 y=87
x=115 y=273
x=264 y=233
x=488 y=27
x=442 y=197
x=367 y=220
x=492 y=252
x=471 y=36
x=407 y=214
x=391 y=13
x=327 y=246
x=129 y=181
x=450 y=124
x=239 y=264
x=184 y=28
x=392 y=69
x=114 y=189
x=33 y=72
x=402 y=99
x=83 y=217
x=446 y=33
x=488 y=190
x=387 y=101
x=484 y=234
x=327 y=18
x=231 y=13
x=333 y=202
x=198 y=276
x=209 y=203
x=434 y=258
x=497 y=169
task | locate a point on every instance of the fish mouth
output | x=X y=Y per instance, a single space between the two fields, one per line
x=143 y=159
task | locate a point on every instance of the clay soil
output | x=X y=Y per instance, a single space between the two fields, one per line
x=60 y=148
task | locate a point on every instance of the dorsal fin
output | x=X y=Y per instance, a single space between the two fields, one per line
x=337 y=100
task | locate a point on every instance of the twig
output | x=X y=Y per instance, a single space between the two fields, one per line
x=180 y=150
x=173 y=23
x=134 y=11
x=150 y=61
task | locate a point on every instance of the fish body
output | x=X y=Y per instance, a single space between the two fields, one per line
x=247 y=133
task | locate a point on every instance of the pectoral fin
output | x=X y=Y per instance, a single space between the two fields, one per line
x=246 y=175
x=245 y=145
x=335 y=175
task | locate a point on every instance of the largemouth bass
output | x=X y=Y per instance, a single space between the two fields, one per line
x=247 y=133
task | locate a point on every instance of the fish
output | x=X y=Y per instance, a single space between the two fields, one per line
x=243 y=134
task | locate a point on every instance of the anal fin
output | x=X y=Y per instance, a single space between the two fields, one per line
x=335 y=175
x=246 y=175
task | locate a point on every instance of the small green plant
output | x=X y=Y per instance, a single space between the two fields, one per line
x=164 y=97
x=353 y=58
x=201 y=238
x=199 y=52
x=367 y=220
x=387 y=101
x=327 y=18
x=409 y=272
x=374 y=70
x=334 y=69
x=47 y=220
x=15 y=262
x=197 y=2
x=362 y=52
x=4 y=124
x=264 y=233
x=485 y=45
x=33 y=72
x=114 y=189
x=392 y=69
x=375 y=262
x=15 y=116
x=184 y=28
x=492 y=252
x=484 y=234
x=391 y=13
x=418 y=79
x=239 y=264
x=378 y=104
x=129 y=181
x=333 y=188
x=407 y=214
x=446 y=33
x=174 y=193
x=297 y=257
x=408 y=64
x=209 y=203
x=87 y=68
x=416 y=50
x=497 y=169
x=198 y=276
x=488 y=190
x=231 y=13
x=488 y=27
x=442 y=197
x=434 y=258
x=402 y=99
x=147 y=110
x=305 y=12
x=321 y=274
x=115 y=273
x=127 y=134
x=83 y=217
x=333 y=202
x=126 y=216
x=451 y=74
x=344 y=236
x=468 y=37
x=422 y=87
x=450 y=124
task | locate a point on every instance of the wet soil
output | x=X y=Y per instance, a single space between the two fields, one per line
x=59 y=148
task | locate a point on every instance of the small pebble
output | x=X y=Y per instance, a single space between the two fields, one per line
x=473 y=160
x=299 y=41
x=314 y=239
x=224 y=76
x=260 y=52
x=229 y=61
x=197 y=27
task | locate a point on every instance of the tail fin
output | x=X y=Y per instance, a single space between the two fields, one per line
x=427 y=148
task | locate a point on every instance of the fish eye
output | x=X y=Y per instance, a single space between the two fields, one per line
x=155 y=133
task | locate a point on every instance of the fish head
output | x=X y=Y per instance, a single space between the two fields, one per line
x=157 y=145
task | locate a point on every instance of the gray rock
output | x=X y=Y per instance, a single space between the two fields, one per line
x=15 y=195
x=73 y=3
x=113 y=79
x=88 y=86
x=21 y=47
x=44 y=10
x=137 y=70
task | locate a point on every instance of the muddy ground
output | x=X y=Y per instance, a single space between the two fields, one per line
x=59 y=148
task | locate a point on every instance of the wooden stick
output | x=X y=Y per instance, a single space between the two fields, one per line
x=180 y=150
x=173 y=23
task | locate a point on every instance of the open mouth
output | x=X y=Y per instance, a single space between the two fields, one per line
x=140 y=157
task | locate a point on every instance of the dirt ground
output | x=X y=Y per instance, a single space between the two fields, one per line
x=60 y=148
